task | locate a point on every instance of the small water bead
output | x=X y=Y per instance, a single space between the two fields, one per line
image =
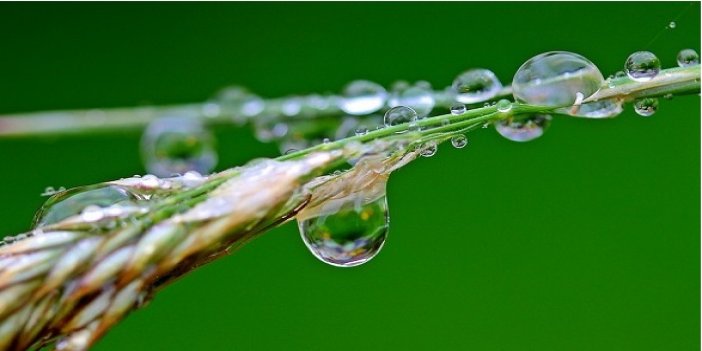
x=399 y=115
x=688 y=57
x=459 y=141
x=646 y=106
x=361 y=131
x=476 y=85
x=175 y=145
x=525 y=129
x=429 y=149
x=77 y=200
x=458 y=109
x=672 y=25
x=347 y=232
x=555 y=79
x=504 y=105
x=642 y=66
x=362 y=97
x=596 y=109
x=420 y=99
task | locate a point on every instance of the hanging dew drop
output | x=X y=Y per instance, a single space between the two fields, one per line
x=429 y=149
x=459 y=141
x=642 y=66
x=556 y=79
x=458 y=109
x=399 y=115
x=672 y=25
x=646 y=106
x=349 y=231
x=362 y=97
x=77 y=200
x=523 y=130
x=476 y=85
x=175 y=145
x=688 y=57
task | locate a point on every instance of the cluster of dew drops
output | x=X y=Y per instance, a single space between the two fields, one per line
x=356 y=230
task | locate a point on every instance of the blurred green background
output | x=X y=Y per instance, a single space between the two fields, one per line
x=586 y=239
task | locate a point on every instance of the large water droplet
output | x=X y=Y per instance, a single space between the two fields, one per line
x=362 y=97
x=646 y=106
x=74 y=201
x=398 y=115
x=642 y=66
x=688 y=57
x=476 y=85
x=175 y=145
x=556 y=78
x=523 y=130
x=349 y=231
x=419 y=98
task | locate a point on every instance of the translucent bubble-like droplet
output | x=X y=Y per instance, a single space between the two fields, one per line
x=74 y=201
x=504 y=105
x=398 y=115
x=349 y=231
x=239 y=103
x=524 y=129
x=555 y=79
x=646 y=106
x=642 y=66
x=688 y=57
x=672 y=25
x=429 y=149
x=458 y=109
x=596 y=109
x=175 y=145
x=459 y=141
x=362 y=97
x=476 y=85
x=419 y=98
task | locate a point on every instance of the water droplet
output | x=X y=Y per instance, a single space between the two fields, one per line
x=398 y=115
x=555 y=79
x=361 y=131
x=175 y=145
x=646 y=106
x=326 y=141
x=291 y=106
x=362 y=97
x=476 y=85
x=504 y=105
x=524 y=129
x=74 y=201
x=672 y=25
x=429 y=149
x=596 y=109
x=420 y=99
x=458 y=109
x=620 y=74
x=688 y=57
x=239 y=103
x=349 y=231
x=642 y=66
x=459 y=141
